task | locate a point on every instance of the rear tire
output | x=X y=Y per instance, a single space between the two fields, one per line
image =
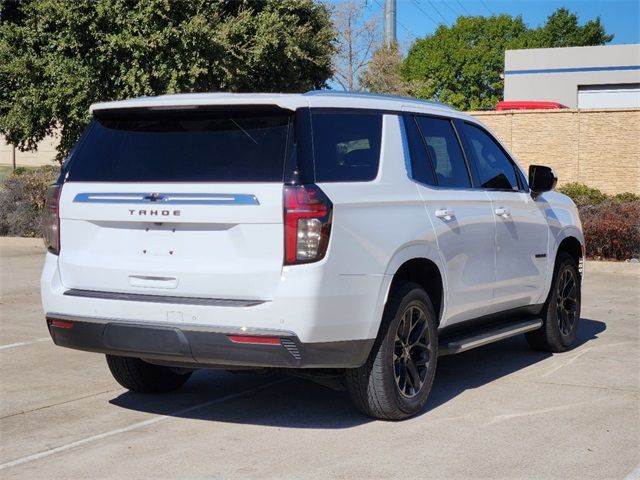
x=396 y=380
x=139 y=376
x=561 y=311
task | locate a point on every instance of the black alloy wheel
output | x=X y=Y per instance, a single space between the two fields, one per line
x=412 y=351
x=567 y=302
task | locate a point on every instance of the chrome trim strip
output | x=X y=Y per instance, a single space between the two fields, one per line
x=223 y=329
x=138 y=297
x=169 y=198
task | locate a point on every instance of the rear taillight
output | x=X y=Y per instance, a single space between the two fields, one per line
x=307 y=224
x=51 y=220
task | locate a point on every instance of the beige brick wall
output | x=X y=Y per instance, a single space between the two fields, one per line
x=44 y=155
x=600 y=148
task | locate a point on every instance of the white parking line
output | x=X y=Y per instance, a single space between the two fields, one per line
x=21 y=344
x=634 y=474
x=151 y=421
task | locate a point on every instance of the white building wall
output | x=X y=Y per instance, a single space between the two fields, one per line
x=556 y=74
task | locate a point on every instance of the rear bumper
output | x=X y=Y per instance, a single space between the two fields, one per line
x=202 y=346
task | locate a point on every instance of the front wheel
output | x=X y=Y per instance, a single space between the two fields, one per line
x=561 y=312
x=143 y=377
x=396 y=380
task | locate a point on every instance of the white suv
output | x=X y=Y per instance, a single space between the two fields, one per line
x=352 y=237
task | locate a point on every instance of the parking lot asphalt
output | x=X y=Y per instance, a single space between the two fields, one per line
x=500 y=411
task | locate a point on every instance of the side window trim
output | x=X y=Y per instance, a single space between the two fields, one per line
x=472 y=171
x=452 y=123
x=467 y=146
x=412 y=130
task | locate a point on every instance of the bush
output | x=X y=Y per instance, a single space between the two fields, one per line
x=22 y=200
x=626 y=197
x=583 y=195
x=612 y=229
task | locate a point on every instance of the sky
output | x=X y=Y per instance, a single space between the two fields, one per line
x=417 y=18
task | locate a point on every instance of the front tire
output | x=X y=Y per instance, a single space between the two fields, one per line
x=143 y=377
x=561 y=312
x=396 y=380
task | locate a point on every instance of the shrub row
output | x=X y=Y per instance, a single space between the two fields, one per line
x=22 y=200
x=611 y=223
x=581 y=194
x=612 y=229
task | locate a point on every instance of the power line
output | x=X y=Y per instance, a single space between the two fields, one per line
x=485 y=6
x=438 y=12
x=411 y=34
x=448 y=5
x=425 y=13
x=463 y=7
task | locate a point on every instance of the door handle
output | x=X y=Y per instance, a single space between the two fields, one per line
x=445 y=213
x=503 y=212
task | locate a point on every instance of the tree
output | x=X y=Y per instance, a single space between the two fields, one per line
x=463 y=64
x=382 y=74
x=56 y=58
x=562 y=30
x=356 y=39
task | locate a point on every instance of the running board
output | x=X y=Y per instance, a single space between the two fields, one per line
x=462 y=343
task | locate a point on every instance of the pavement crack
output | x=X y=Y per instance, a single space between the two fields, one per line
x=60 y=403
x=617 y=389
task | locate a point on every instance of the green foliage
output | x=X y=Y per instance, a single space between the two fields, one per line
x=461 y=65
x=582 y=194
x=22 y=200
x=56 y=58
x=562 y=30
x=626 y=197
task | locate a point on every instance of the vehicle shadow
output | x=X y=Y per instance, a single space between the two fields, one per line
x=280 y=401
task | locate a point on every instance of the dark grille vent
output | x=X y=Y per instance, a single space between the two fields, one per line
x=291 y=347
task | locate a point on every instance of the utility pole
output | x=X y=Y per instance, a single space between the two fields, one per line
x=389 y=22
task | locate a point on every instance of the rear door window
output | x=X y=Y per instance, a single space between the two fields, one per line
x=346 y=145
x=182 y=146
x=495 y=169
x=444 y=151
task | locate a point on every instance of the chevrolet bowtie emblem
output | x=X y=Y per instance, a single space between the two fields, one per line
x=154 y=197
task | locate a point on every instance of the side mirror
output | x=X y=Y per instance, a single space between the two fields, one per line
x=541 y=179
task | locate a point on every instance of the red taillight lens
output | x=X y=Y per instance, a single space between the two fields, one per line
x=51 y=219
x=307 y=224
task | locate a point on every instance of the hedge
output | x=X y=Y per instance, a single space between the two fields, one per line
x=22 y=200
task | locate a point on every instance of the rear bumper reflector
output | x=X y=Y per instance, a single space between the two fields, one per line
x=254 y=340
x=62 y=324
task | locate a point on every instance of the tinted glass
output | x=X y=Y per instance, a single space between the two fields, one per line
x=421 y=169
x=185 y=146
x=346 y=146
x=495 y=170
x=445 y=152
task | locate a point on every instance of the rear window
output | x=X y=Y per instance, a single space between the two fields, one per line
x=182 y=146
x=346 y=146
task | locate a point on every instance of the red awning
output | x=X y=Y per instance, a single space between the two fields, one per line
x=527 y=105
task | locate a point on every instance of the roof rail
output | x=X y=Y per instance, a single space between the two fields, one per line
x=380 y=96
